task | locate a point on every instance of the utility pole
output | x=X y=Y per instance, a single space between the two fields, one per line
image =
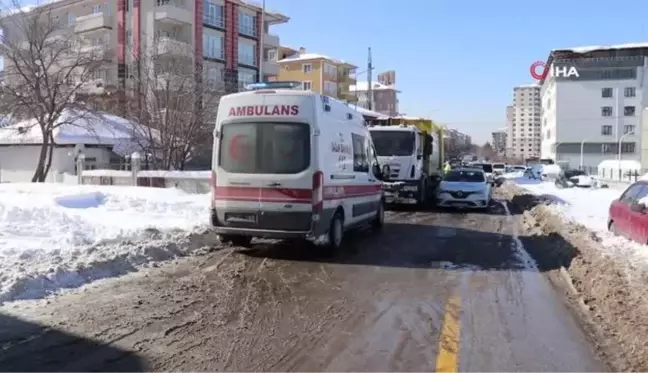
x=369 y=91
x=261 y=41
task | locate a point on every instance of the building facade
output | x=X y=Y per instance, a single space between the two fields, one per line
x=523 y=138
x=317 y=72
x=225 y=38
x=596 y=115
x=384 y=94
x=499 y=141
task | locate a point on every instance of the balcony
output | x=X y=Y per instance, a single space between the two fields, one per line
x=173 y=12
x=270 y=68
x=167 y=45
x=93 y=22
x=270 y=41
x=96 y=52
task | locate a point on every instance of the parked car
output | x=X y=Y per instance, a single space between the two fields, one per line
x=499 y=169
x=628 y=215
x=464 y=188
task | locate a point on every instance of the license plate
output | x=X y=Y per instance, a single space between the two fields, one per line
x=241 y=218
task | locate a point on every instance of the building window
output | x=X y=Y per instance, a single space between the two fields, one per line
x=272 y=55
x=606 y=92
x=628 y=128
x=213 y=46
x=100 y=8
x=307 y=86
x=247 y=54
x=606 y=111
x=247 y=24
x=629 y=111
x=628 y=148
x=214 y=75
x=245 y=78
x=307 y=68
x=606 y=130
x=213 y=14
x=71 y=19
x=606 y=148
x=630 y=92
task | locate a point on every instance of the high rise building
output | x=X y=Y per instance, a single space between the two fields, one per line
x=523 y=122
x=499 y=141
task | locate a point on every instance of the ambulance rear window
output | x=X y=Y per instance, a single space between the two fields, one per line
x=265 y=148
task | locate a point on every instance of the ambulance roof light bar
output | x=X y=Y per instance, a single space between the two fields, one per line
x=273 y=85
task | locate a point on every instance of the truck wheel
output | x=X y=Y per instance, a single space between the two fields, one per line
x=423 y=194
x=379 y=220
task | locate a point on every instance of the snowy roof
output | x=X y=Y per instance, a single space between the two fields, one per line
x=591 y=48
x=532 y=85
x=362 y=86
x=313 y=56
x=83 y=128
x=367 y=112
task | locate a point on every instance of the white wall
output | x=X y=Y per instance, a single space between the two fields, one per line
x=572 y=113
x=17 y=163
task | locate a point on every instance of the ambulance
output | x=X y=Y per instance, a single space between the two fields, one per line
x=290 y=163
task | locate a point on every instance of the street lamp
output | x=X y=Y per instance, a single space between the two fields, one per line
x=581 y=153
x=261 y=41
x=620 y=143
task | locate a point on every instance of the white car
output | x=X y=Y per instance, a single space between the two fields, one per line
x=292 y=164
x=499 y=169
x=465 y=188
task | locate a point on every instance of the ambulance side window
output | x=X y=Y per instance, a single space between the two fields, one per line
x=360 y=156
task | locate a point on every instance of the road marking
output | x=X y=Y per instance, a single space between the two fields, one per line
x=448 y=353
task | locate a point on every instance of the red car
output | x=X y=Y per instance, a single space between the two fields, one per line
x=629 y=214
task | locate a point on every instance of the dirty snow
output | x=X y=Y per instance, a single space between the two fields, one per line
x=590 y=207
x=55 y=236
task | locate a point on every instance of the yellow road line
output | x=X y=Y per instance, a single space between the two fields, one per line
x=448 y=353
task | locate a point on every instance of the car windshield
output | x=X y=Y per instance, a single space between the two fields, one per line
x=468 y=176
x=499 y=165
x=265 y=148
x=393 y=143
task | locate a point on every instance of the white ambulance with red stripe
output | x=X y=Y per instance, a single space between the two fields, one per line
x=290 y=163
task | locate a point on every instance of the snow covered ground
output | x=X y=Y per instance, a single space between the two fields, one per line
x=590 y=207
x=55 y=236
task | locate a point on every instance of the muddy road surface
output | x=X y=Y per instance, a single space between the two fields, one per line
x=437 y=290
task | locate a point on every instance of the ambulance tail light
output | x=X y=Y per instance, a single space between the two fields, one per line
x=318 y=194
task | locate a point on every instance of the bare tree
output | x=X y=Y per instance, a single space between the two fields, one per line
x=174 y=101
x=45 y=67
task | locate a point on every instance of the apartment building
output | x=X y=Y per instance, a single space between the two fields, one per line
x=384 y=94
x=224 y=37
x=523 y=136
x=499 y=141
x=599 y=108
x=317 y=72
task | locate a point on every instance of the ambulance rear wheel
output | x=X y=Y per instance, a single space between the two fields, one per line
x=336 y=233
x=379 y=220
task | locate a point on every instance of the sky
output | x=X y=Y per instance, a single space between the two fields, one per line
x=457 y=61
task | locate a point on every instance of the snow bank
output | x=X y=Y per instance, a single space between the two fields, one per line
x=52 y=232
x=590 y=207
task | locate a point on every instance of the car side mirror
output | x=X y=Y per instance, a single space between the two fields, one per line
x=638 y=207
x=385 y=172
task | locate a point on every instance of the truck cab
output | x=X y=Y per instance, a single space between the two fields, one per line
x=412 y=154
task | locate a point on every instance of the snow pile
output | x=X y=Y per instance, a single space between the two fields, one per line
x=590 y=207
x=55 y=236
